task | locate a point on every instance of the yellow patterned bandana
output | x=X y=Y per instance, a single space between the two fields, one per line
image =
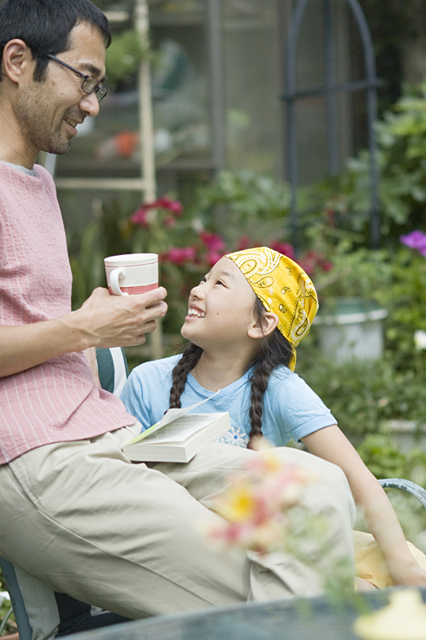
x=283 y=288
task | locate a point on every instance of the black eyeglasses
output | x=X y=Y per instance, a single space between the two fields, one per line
x=89 y=84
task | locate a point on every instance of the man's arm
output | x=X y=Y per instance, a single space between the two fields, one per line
x=103 y=321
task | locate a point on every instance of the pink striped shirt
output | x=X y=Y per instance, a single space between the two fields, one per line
x=58 y=400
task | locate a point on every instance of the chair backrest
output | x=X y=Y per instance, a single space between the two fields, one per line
x=112 y=368
x=41 y=613
x=10 y=580
x=406 y=485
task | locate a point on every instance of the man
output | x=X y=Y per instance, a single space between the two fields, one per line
x=74 y=511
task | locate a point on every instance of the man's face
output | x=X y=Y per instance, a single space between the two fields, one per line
x=47 y=112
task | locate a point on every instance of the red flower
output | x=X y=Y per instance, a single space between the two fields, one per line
x=180 y=255
x=313 y=260
x=170 y=205
x=283 y=247
x=212 y=241
x=140 y=217
x=243 y=243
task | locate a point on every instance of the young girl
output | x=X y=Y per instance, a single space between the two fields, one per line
x=244 y=321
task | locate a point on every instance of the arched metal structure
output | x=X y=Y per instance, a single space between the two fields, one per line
x=330 y=89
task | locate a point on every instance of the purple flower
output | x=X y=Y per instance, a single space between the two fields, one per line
x=415 y=240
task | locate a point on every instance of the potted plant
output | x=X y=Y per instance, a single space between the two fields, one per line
x=350 y=319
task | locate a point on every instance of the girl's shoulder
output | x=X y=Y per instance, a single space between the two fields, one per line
x=282 y=376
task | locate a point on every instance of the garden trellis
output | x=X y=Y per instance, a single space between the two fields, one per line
x=330 y=89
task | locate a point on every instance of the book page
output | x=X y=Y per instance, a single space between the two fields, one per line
x=169 y=416
x=179 y=430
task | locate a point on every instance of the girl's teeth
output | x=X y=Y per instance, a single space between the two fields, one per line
x=197 y=314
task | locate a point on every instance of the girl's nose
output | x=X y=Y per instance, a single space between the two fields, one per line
x=197 y=291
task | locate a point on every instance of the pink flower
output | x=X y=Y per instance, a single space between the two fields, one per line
x=283 y=247
x=140 y=217
x=169 y=222
x=313 y=260
x=243 y=243
x=256 y=509
x=180 y=255
x=212 y=241
x=415 y=240
x=171 y=205
x=327 y=266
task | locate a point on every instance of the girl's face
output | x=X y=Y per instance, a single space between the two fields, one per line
x=221 y=309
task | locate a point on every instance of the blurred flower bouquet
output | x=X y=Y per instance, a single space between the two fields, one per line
x=265 y=513
x=262 y=511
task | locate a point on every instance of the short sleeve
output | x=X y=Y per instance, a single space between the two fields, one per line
x=292 y=409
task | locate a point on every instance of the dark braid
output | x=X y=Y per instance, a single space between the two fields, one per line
x=189 y=359
x=275 y=350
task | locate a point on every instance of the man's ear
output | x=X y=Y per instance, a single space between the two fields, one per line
x=17 y=60
x=268 y=324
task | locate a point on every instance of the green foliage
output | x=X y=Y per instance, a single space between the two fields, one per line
x=363 y=396
x=105 y=235
x=354 y=273
x=385 y=459
x=124 y=56
x=406 y=302
x=4 y=610
x=401 y=157
x=382 y=455
x=244 y=203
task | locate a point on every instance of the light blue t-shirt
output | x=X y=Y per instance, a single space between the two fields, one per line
x=291 y=409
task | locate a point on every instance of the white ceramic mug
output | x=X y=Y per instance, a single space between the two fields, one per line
x=131 y=273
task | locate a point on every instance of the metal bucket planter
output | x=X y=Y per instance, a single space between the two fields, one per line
x=351 y=328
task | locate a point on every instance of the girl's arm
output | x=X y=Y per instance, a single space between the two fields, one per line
x=332 y=445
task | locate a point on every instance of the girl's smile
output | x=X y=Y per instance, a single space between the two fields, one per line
x=196 y=313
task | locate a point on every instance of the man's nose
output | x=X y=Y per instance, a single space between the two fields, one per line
x=89 y=104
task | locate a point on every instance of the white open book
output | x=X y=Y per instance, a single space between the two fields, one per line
x=178 y=436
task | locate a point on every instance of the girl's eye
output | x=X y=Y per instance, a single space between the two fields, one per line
x=220 y=282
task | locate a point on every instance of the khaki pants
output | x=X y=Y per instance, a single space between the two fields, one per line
x=128 y=538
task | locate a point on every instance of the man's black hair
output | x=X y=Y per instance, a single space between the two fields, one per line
x=45 y=26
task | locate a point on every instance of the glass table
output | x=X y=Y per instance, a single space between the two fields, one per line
x=316 y=618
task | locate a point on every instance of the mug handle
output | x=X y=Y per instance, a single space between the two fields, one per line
x=114 y=277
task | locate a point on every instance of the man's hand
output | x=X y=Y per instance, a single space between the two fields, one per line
x=120 y=321
x=103 y=321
